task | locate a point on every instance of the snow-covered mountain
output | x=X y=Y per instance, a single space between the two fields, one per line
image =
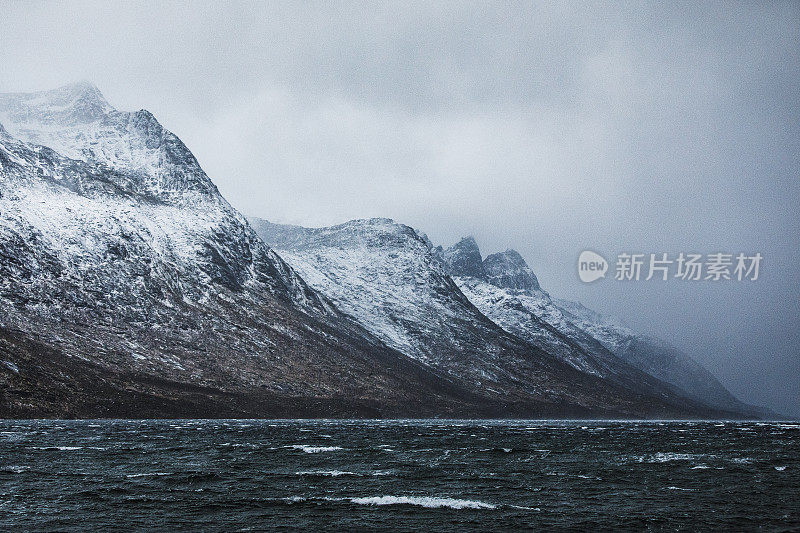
x=128 y=285
x=78 y=123
x=506 y=290
x=390 y=278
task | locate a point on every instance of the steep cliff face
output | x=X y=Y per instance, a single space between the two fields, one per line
x=465 y=257
x=509 y=270
x=392 y=281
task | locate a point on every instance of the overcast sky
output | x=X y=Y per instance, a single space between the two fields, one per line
x=657 y=127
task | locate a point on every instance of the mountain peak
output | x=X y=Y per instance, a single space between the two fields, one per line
x=377 y=221
x=76 y=121
x=76 y=103
x=509 y=270
x=464 y=259
x=81 y=88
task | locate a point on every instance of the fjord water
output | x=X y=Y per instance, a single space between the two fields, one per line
x=401 y=475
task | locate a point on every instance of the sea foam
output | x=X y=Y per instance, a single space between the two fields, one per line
x=423 y=501
x=315 y=449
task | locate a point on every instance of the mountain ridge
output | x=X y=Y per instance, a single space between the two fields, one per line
x=518 y=289
x=392 y=280
x=128 y=284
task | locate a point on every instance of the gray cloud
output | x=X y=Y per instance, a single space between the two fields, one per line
x=547 y=128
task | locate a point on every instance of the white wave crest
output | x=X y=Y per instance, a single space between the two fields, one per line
x=331 y=473
x=149 y=474
x=664 y=457
x=423 y=501
x=315 y=449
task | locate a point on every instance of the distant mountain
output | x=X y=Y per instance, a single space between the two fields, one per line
x=506 y=290
x=660 y=359
x=390 y=279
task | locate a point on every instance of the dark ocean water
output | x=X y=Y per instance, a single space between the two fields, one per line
x=399 y=475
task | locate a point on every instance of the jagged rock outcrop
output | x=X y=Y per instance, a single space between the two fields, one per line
x=465 y=256
x=508 y=269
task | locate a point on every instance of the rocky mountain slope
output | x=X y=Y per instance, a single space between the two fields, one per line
x=129 y=286
x=506 y=290
x=393 y=282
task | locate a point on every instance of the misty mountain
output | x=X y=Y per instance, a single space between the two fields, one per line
x=506 y=290
x=658 y=358
x=390 y=279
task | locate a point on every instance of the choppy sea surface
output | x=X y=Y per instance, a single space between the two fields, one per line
x=435 y=475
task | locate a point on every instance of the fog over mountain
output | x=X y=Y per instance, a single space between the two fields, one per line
x=549 y=129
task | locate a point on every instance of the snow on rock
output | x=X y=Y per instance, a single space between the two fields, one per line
x=508 y=269
x=392 y=281
x=464 y=257
x=388 y=277
x=117 y=250
x=77 y=122
x=507 y=291
x=366 y=261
